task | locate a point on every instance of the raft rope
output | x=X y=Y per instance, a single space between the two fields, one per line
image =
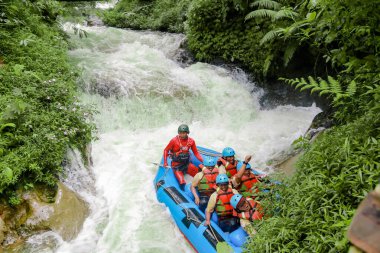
x=203 y=152
x=198 y=221
x=184 y=208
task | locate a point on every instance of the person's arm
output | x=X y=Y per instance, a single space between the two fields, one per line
x=196 y=153
x=221 y=168
x=234 y=183
x=196 y=197
x=240 y=173
x=166 y=152
x=210 y=208
x=193 y=190
x=208 y=217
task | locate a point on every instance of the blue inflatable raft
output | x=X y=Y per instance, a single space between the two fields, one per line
x=188 y=217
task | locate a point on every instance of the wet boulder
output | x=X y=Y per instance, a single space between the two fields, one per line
x=64 y=216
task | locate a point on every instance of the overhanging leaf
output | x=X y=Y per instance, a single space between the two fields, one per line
x=223 y=247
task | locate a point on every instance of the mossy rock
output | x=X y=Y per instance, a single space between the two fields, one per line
x=64 y=216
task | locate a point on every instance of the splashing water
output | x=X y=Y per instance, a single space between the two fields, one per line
x=142 y=95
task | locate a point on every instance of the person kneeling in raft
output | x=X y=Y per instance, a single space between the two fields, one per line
x=220 y=201
x=247 y=210
x=205 y=181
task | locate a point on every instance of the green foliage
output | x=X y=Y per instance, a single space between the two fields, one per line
x=301 y=143
x=14 y=200
x=267 y=4
x=331 y=87
x=165 y=15
x=40 y=116
x=284 y=13
x=318 y=202
x=216 y=29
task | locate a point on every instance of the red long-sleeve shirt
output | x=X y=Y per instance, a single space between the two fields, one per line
x=174 y=146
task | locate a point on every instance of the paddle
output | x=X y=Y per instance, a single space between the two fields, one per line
x=161 y=165
x=221 y=247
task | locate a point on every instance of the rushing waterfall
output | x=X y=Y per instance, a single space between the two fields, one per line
x=142 y=94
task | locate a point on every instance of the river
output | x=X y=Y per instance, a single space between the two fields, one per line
x=141 y=93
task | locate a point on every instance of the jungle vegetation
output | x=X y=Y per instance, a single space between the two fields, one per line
x=336 y=45
x=40 y=116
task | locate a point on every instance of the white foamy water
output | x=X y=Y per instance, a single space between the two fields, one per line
x=146 y=95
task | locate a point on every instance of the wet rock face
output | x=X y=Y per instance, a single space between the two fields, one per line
x=184 y=57
x=2 y=230
x=64 y=215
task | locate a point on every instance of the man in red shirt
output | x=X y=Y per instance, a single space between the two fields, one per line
x=179 y=150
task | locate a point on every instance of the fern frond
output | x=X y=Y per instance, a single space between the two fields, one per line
x=289 y=52
x=262 y=13
x=267 y=63
x=291 y=81
x=335 y=85
x=267 y=4
x=351 y=89
x=301 y=83
x=324 y=92
x=291 y=30
x=306 y=87
x=285 y=13
x=313 y=81
x=315 y=89
x=331 y=86
x=271 y=35
x=323 y=84
x=338 y=97
x=296 y=81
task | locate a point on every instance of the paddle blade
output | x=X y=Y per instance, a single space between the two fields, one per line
x=223 y=247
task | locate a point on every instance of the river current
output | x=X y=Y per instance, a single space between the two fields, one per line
x=141 y=94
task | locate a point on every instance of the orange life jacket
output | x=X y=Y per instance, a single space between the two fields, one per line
x=207 y=185
x=230 y=167
x=223 y=207
x=254 y=213
x=246 y=187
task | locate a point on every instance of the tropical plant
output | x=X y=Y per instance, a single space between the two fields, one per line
x=166 y=15
x=40 y=117
x=330 y=87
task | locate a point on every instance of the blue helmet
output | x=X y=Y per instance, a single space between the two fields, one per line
x=228 y=152
x=222 y=179
x=240 y=163
x=209 y=161
x=234 y=201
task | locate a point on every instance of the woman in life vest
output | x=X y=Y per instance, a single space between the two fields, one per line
x=179 y=150
x=220 y=202
x=205 y=181
x=227 y=163
x=247 y=210
x=244 y=181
